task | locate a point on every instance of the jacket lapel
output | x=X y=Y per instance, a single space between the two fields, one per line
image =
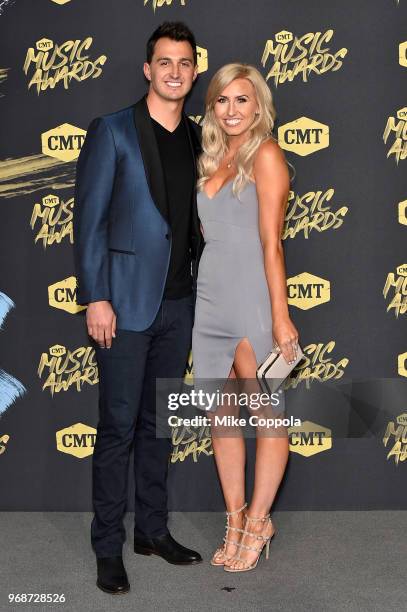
x=151 y=157
x=193 y=142
x=195 y=150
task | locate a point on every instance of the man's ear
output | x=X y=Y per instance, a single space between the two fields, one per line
x=147 y=71
x=195 y=73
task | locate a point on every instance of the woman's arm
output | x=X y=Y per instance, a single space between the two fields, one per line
x=273 y=185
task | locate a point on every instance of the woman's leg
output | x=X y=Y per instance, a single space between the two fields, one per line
x=230 y=457
x=271 y=460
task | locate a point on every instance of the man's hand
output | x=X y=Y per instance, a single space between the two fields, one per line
x=101 y=322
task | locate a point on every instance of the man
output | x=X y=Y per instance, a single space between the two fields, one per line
x=136 y=232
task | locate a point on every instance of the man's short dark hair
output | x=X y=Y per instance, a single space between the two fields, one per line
x=175 y=30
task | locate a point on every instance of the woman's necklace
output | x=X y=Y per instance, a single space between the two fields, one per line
x=230 y=164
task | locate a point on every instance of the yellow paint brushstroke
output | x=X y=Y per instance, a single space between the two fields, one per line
x=24 y=175
x=3 y=77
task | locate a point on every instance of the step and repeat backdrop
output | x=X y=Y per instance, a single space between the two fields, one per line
x=338 y=75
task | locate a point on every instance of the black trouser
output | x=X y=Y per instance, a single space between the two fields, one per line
x=127 y=373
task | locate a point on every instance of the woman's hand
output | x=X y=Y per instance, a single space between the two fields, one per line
x=285 y=335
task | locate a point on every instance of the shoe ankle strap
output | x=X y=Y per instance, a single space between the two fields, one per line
x=236 y=511
x=255 y=519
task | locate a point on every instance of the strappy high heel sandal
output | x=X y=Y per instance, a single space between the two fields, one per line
x=221 y=551
x=265 y=542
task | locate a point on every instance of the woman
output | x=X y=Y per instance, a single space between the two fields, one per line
x=241 y=303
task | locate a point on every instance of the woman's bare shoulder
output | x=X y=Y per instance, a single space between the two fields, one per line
x=269 y=151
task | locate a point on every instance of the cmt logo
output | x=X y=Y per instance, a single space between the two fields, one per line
x=309 y=439
x=402 y=364
x=303 y=136
x=50 y=201
x=60 y=1
x=63 y=295
x=45 y=44
x=284 y=36
x=57 y=350
x=77 y=440
x=402 y=212
x=403 y=54
x=306 y=290
x=202 y=58
x=63 y=142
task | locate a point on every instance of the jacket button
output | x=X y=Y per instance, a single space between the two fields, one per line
x=167 y=236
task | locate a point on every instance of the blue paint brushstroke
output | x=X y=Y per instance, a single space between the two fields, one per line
x=6 y=304
x=10 y=390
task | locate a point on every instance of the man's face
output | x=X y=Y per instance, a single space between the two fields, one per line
x=172 y=70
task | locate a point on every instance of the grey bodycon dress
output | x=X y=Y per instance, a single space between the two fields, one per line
x=233 y=300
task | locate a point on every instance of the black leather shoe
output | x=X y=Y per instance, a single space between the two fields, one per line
x=166 y=547
x=112 y=577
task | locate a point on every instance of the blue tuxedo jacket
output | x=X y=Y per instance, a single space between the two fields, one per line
x=122 y=236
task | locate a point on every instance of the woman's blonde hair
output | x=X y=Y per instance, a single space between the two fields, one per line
x=214 y=139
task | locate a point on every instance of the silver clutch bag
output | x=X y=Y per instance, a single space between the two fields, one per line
x=274 y=370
